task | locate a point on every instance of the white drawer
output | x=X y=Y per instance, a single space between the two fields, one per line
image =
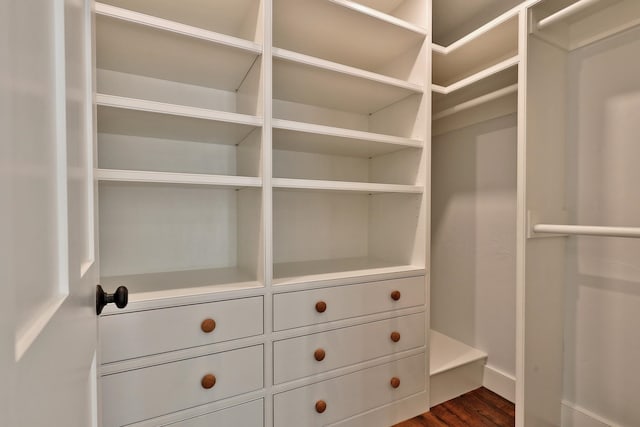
x=296 y=357
x=129 y=335
x=249 y=414
x=141 y=394
x=295 y=309
x=351 y=394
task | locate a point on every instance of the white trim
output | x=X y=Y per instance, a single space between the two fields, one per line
x=476 y=101
x=566 y=12
x=500 y=383
x=577 y=416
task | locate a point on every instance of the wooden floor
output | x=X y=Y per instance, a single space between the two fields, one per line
x=478 y=408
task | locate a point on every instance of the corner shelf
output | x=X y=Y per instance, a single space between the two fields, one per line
x=485 y=47
x=135 y=43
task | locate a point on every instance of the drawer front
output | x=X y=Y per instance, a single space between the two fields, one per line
x=246 y=415
x=295 y=309
x=141 y=394
x=129 y=335
x=351 y=394
x=297 y=357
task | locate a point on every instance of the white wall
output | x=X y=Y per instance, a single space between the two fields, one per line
x=473 y=238
x=602 y=316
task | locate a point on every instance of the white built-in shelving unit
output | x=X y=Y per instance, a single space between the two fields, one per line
x=179 y=118
x=349 y=137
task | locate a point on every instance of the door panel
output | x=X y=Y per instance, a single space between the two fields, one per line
x=47 y=165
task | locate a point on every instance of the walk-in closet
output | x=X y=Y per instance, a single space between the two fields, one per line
x=310 y=213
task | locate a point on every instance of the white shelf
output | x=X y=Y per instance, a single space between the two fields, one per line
x=145 y=288
x=447 y=353
x=306 y=137
x=342 y=31
x=135 y=43
x=494 y=69
x=136 y=117
x=309 y=80
x=224 y=181
x=488 y=45
x=227 y=17
x=354 y=187
x=335 y=269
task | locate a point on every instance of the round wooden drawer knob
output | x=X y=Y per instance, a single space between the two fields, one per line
x=208 y=325
x=395 y=382
x=321 y=406
x=321 y=306
x=395 y=295
x=208 y=381
x=319 y=355
x=395 y=336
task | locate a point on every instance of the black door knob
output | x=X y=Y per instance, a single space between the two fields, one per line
x=120 y=298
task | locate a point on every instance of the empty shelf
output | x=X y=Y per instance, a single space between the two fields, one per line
x=447 y=353
x=355 y=187
x=223 y=181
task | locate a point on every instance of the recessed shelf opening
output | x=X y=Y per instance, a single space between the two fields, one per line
x=155 y=237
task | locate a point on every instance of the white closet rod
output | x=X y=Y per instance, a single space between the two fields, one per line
x=588 y=230
x=564 y=13
x=476 y=101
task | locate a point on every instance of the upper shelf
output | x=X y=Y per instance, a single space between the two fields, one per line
x=238 y=18
x=312 y=138
x=308 y=80
x=127 y=116
x=343 y=31
x=573 y=24
x=487 y=46
x=135 y=43
x=453 y=19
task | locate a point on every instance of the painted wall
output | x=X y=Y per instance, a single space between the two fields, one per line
x=602 y=316
x=473 y=238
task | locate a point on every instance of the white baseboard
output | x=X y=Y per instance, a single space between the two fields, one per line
x=500 y=383
x=576 y=416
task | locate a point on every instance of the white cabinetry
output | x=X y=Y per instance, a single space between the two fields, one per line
x=253 y=161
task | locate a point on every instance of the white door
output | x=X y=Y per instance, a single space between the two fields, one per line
x=48 y=323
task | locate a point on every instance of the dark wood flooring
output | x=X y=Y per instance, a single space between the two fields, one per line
x=478 y=408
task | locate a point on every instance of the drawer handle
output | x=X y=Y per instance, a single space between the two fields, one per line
x=395 y=295
x=208 y=381
x=395 y=382
x=321 y=306
x=395 y=336
x=319 y=355
x=321 y=406
x=208 y=325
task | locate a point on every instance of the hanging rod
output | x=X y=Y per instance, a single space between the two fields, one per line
x=588 y=230
x=564 y=13
x=476 y=101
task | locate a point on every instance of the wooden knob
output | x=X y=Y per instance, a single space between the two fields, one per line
x=208 y=381
x=321 y=306
x=319 y=354
x=395 y=382
x=321 y=406
x=395 y=336
x=395 y=295
x=208 y=325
